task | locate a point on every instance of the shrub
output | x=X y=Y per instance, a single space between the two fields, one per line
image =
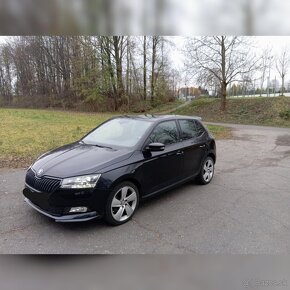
x=285 y=114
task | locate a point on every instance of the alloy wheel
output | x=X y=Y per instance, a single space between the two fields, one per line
x=124 y=203
x=208 y=170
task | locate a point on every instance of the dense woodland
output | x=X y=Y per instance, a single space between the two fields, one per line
x=87 y=72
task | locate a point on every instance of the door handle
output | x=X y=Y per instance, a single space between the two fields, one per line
x=202 y=146
x=179 y=152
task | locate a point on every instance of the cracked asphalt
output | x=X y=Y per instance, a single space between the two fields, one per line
x=245 y=210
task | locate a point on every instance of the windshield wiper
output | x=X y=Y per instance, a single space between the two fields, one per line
x=97 y=145
x=102 y=146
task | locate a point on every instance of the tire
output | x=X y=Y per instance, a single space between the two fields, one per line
x=122 y=203
x=206 y=173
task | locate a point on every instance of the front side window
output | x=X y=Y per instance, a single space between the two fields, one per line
x=124 y=132
x=165 y=133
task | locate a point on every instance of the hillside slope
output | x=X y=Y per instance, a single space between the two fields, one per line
x=256 y=111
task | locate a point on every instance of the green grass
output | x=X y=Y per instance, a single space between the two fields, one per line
x=167 y=107
x=219 y=132
x=25 y=133
x=254 y=111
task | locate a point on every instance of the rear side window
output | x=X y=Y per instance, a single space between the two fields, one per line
x=165 y=133
x=200 y=129
x=190 y=129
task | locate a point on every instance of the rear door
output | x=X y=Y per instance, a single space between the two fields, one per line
x=193 y=137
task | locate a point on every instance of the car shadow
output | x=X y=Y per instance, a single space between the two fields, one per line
x=100 y=224
x=168 y=194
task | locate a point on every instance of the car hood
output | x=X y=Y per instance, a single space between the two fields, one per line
x=78 y=159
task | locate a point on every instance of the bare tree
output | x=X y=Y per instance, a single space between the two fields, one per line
x=144 y=67
x=225 y=58
x=155 y=41
x=282 y=65
x=97 y=72
x=265 y=65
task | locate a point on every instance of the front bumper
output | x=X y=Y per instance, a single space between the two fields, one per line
x=56 y=205
x=66 y=218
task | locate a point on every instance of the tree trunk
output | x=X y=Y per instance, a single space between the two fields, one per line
x=144 y=69
x=154 y=45
x=282 y=90
x=118 y=59
x=113 y=83
x=223 y=96
x=128 y=67
x=224 y=81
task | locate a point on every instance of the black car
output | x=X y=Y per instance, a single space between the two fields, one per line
x=122 y=161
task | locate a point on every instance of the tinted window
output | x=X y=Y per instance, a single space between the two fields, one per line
x=200 y=129
x=120 y=132
x=188 y=129
x=165 y=133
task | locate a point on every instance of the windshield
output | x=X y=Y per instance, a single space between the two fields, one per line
x=122 y=132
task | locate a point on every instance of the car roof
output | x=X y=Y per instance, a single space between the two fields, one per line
x=157 y=118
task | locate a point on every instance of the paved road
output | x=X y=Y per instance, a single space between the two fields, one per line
x=246 y=209
x=176 y=108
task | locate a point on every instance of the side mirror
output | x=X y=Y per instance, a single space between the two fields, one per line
x=155 y=147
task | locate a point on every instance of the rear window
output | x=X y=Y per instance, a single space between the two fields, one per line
x=190 y=129
x=199 y=127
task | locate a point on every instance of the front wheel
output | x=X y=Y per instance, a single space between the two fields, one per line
x=207 y=171
x=122 y=203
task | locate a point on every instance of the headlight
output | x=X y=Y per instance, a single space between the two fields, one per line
x=87 y=181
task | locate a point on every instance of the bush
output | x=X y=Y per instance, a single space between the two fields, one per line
x=141 y=106
x=285 y=114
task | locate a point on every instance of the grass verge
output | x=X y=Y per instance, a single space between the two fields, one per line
x=220 y=132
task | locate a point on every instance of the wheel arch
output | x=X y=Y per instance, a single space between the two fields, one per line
x=129 y=179
x=212 y=155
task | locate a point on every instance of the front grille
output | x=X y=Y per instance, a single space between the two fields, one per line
x=43 y=184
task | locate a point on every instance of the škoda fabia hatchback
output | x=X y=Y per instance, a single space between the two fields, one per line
x=119 y=163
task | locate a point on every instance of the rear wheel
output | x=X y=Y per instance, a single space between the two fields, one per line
x=122 y=203
x=207 y=171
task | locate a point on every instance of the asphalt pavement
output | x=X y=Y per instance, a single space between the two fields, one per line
x=246 y=209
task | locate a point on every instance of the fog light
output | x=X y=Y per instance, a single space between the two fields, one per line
x=78 y=209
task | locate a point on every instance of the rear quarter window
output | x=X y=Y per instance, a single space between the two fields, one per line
x=190 y=129
x=199 y=128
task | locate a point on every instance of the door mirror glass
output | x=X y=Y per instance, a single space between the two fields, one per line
x=155 y=147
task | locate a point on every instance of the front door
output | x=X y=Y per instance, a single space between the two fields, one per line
x=162 y=169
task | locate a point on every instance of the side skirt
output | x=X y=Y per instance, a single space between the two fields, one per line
x=176 y=184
